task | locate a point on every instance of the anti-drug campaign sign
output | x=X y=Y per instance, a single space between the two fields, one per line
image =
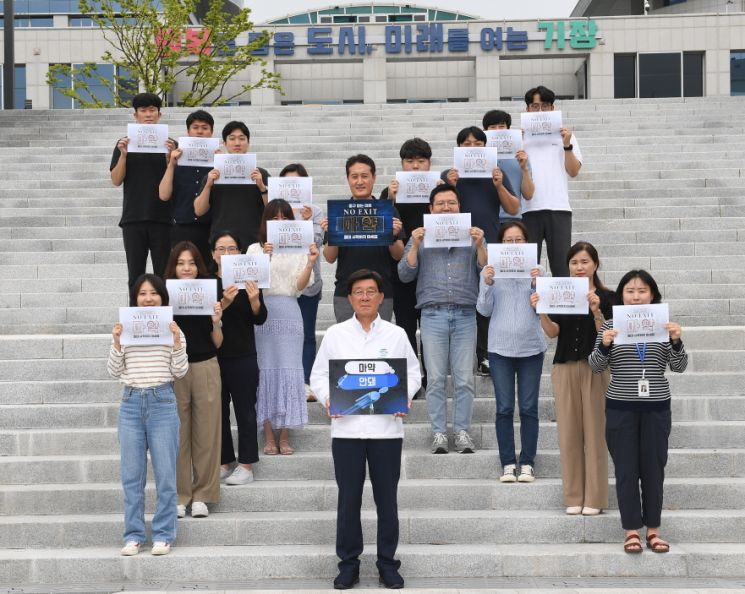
x=641 y=323
x=360 y=223
x=146 y=325
x=368 y=387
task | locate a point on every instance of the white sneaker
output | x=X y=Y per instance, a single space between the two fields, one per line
x=508 y=474
x=199 y=509
x=591 y=511
x=225 y=473
x=440 y=444
x=181 y=511
x=464 y=443
x=526 y=474
x=160 y=548
x=240 y=476
x=574 y=510
x=130 y=549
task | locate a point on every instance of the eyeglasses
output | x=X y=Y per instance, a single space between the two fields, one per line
x=231 y=249
x=450 y=203
x=540 y=106
x=513 y=240
x=359 y=293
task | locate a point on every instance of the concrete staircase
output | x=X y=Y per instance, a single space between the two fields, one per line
x=661 y=188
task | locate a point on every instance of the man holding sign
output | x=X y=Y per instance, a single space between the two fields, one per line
x=372 y=440
x=447 y=290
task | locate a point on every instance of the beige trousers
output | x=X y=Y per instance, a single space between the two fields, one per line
x=200 y=412
x=579 y=397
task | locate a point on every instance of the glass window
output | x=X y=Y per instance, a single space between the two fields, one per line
x=446 y=16
x=659 y=75
x=624 y=76
x=19 y=86
x=358 y=9
x=127 y=86
x=737 y=72
x=60 y=101
x=345 y=18
x=693 y=74
x=80 y=21
x=400 y=18
x=98 y=89
x=299 y=19
x=386 y=9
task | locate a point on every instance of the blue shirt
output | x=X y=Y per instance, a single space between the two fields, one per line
x=446 y=276
x=514 y=174
x=187 y=184
x=514 y=328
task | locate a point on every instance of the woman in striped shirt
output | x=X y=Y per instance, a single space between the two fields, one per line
x=148 y=420
x=637 y=413
x=516 y=348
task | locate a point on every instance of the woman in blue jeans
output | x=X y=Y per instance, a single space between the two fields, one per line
x=148 y=420
x=516 y=349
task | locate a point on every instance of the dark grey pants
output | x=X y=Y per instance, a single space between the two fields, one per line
x=555 y=226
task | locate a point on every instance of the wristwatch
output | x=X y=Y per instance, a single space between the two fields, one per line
x=217 y=324
x=569 y=148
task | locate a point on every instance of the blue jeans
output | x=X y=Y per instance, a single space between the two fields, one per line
x=309 y=311
x=528 y=371
x=448 y=337
x=148 y=420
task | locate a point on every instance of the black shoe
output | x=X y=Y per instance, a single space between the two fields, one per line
x=392 y=580
x=346 y=580
x=483 y=368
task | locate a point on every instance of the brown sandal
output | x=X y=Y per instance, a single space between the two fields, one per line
x=284 y=448
x=632 y=544
x=270 y=449
x=656 y=544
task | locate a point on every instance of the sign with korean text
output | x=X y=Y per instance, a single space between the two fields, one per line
x=512 y=260
x=197 y=151
x=235 y=168
x=236 y=270
x=147 y=138
x=289 y=237
x=641 y=323
x=146 y=325
x=447 y=230
x=474 y=161
x=368 y=386
x=192 y=297
x=562 y=295
x=541 y=127
x=415 y=186
x=298 y=191
x=360 y=223
x=507 y=142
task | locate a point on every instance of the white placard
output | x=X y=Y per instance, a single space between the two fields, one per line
x=192 y=297
x=147 y=138
x=507 y=142
x=447 y=230
x=146 y=325
x=562 y=295
x=415 y=186
x=298 y=191
x=474 y=161
x=235 y=168
x=641 y=323
x=290 y=237
x=197 y=151
x=236 y=270
x=512 y=260
x=541 y=127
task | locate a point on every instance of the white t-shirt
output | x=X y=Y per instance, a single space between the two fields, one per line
x=550 y=176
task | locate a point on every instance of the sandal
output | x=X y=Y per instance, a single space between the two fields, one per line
x=656 y=544
x=284 y=448
x=270 y=449
x=632 y=544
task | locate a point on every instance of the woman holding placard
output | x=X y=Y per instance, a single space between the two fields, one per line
x=516 y=350
x=197 y=393
x=578 y=393
x=148 y=420
x=637 y=413
x=281 y=400
x=239 y=371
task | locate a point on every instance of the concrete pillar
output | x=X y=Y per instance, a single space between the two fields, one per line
x=487 y=78
x=374 y=80
x=263 y=96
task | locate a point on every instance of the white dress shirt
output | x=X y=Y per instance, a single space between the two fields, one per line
x=348 y=340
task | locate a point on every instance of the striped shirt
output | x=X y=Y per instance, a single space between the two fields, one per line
x=145 y=366
x=627 y=369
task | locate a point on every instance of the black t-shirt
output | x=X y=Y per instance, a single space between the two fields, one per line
x=237 y=208
x=479 y=197
x=187 y=182
x=577 y=333
x=377 y=258
x=141 y=180
x=238 y=321
x=198 y=333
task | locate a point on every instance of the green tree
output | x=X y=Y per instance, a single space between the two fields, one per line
x=152 y=46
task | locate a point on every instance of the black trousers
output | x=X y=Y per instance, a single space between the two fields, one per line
x=482 y=338
x=383 y=458
x=555 y=226
x=199 y=235
x=240 y=380
x=408 y=317
x=141 y=238
x=637 y=442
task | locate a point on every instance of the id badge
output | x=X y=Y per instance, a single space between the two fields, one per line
x=643 y=387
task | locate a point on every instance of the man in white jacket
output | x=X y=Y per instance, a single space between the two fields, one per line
x=357 y=440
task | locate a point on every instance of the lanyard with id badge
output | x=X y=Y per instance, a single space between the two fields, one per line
x=642 y=384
